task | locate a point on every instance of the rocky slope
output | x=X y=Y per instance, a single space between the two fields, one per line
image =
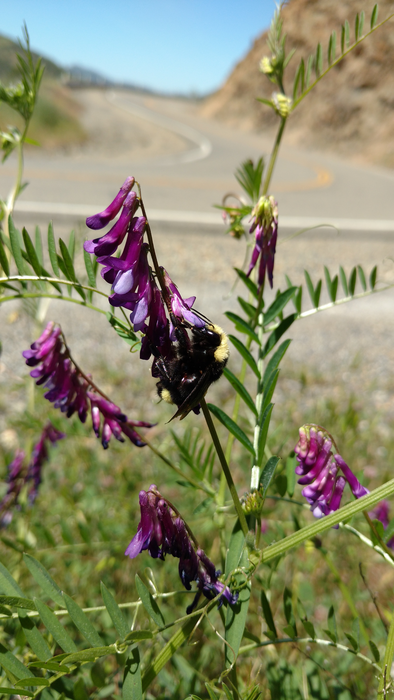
x=350 y=111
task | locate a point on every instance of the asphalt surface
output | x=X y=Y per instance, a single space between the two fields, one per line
x=185 y=164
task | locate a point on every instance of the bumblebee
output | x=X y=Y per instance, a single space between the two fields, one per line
x=200 y=358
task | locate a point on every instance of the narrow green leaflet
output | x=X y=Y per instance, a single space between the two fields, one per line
x=332 y=624
x=10 y=663
x=274 y=362
x=149 y=602
x=242 y=325
x=375 y=651
x=38 y=245
x=352 y=281
x=267 y=474
x=372 y=277
x=343 y=281
x=361 y=276
x=34 y=637
x=245 y=354
x=16 y=248
x=374 y=16
x=87 y=655
x=268 y=614
x=89 y=268
x=247 y=308
x=240 y=389
x=11 y=691
x=3 y=260
x=71 y=245
x=278 y=305
x=232 y=427
x=31 y=253
x=236 y=616
x=138 y=636
x=252 y=286
x=43 y=578
x=52 y=250
x=132 y=683
x=114 y=612
x=34 y=681
x=277 y=333
x=7 y=583
x=55 y=627
x=17 y=602
x=83 y=623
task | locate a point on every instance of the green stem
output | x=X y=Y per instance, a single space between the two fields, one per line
x=255 y=475
x=326 y=523
x=226 y=470
x=307 y=640
x=385 y=672
x=274 y=155
x=9 y=208
x=36 y=278
x=35 y=295
x=382 y=544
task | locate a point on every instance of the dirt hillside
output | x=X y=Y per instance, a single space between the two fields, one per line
x=350 y=111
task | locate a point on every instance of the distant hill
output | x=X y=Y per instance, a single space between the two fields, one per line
x=351 y=111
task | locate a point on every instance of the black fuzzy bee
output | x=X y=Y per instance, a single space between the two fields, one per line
x=200 y=357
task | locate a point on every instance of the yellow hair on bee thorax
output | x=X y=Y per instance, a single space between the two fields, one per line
x=166 y=396
x=222 y=352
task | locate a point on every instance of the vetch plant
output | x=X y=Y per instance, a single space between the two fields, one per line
x=235 y=487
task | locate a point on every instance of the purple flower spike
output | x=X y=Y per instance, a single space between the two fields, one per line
x=69 y=391
x=265 y=224
x=320 y=471
x=100 y=220
x=162 y=531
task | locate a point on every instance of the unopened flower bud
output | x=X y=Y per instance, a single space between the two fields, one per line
x=282 y=103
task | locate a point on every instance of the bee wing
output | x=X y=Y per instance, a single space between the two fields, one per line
x=194 y=397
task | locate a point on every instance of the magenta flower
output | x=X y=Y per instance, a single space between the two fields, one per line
x=323 y=473
x=68 y=390
x=162 y=531
x=181 y=308
x=265 y=223
x=100 y=220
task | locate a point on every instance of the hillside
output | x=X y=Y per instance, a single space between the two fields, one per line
x=351 y=111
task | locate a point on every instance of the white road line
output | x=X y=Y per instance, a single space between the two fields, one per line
x=204 y=146
x=207 y=218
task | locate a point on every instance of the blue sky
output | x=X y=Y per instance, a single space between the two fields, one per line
x=169 y=45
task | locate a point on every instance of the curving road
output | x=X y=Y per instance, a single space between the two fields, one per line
x=185 y=164
x=182 y=186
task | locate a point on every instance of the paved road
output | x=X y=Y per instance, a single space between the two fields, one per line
x=185 y=164
x=182 y=186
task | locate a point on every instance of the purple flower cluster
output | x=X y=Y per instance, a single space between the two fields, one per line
x=162 y=531
x=133 y=285
x=19 y=475
x=68 y=390
x=265 y=225
x=323 y=473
